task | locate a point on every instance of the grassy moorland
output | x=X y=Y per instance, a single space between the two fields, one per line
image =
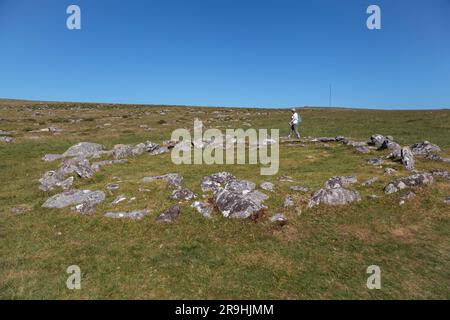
x=322 y=253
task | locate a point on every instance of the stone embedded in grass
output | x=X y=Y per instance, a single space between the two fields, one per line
x=424 y=148
x=113 y=186
x=279 y=219
x=173 y=179
x=240 y=186
x=362 y=149
x=21 y=208
x=370 y=181
x=354 y=143
x=285 y=179
x=375 y=161
x=5 y=133
x=215 y=181
x=334 y=196
x=204 y=208
x=389 y=171
x=268 y=186
x=52 y=157
x=435 y=157
x=53 y=179
x=99 y=164
x=441 y=174
x=415 y=180
x=135 y=214
x=406 y=196
x=183 y=194
x=118 y=200
x=299 y=188
x=84 y=150
x=237 y=205
x=6 y=139
x=122 y=151
x=169 y=215
x=288 y=202
x=341 y=181
x=74 y=197
x=447 y=200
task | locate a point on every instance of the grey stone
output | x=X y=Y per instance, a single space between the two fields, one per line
x=415 y=180
x=268 y=186
x=370 y=181
x=326 y=139
x=279 y=219
x=447 y=200
x=52 y=157
x=204 y=208
x=406 y=196
x=257 y=196
x=334 y=196
x=5 y=133
x=354 y=143
x=235 y=205
x=122 y=151
x=173 y=179
x=135 y=214
x=408 y=158
x=183 y=194
x=377 y=140
x=74 y=197
x=288 y=202
x=81 y=167
x=6 y=139
x=436 y=157
x=169 y=215
x=215 y=181
x=424 y=148
x=285 y=179
x=96 y=166
x=118 y=200
x=240 y=186
x=52 y=179
x=441 y=174
x=341 y=181
x=83 y=149
x=375 y=161
x=113 y=186
x=299 y=188
x=362 y=149
x=139 y=149
x=389 y=171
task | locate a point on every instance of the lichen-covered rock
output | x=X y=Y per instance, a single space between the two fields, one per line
x=215 y=181
x=236 y=205
x=377 y=140
x=268 y=186
x=334 y=196
x=424 y=148
x=74 y=197
x=414 y=180
x=436 y=157
x=183 y=194
x=135 y=214
x=204 y=208
x=362 y=149
x=441 y=174
x=354 y=143
x=80 y=166
x=122 y=151
x=83 y=150
x=375 y=161
x=407 y=158
x=240 y=186
x=370 y=181
x=299 y=188
x=338 y=182
x=169 y=215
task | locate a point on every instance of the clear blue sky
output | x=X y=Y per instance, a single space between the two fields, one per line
x=228 y=52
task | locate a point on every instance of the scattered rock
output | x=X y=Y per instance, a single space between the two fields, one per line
x=407 y=158
x=441 y=173
x=6 y=139
x=424 y=147
x=375 y=161
x=204 y=208
x=173 y=179
x=183 y=194
x=268 y=186
x=370 y=181
x=389 y=171
x=135 y=214
x=406 y=196
x=21 y=208
x=285 y=179
x=215 y=181
x=169 y=215
x=118 y=200
x=338 y=182
x=122 y=151
x=278 y=219
x=447 y=200
x=334 y=196
x=299 y=188
x=414 y=180
x=436 y=157
x=52 y=157
x=237 y=205
x=113 y=186
x=52 y=179
x=377 y=140
x=83 y=150
x=288 y=202
x=240 y=186
x=5 y=133
x=362 y=149
x=97 y=165
x=74 y=197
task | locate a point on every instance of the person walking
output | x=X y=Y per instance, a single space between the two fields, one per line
x=295 y=120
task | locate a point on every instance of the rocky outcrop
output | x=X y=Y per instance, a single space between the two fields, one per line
x=424 y=148
x=415 y=180
x=268 y=186
x=341 y=181
x=183 y=194
x=75 y=197
x=84 y=150
x=334 y=196
x=173 y=179
x=215 y=181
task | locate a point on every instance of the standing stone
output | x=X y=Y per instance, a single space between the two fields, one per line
x=408 y=158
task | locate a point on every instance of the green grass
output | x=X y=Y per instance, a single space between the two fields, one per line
x=322 y=252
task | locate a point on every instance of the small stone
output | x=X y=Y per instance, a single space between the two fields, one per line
x=288 y=202
x=136 y=214
x=299 y=188
x=118 y=199
x=113 y=186
x=279 y=219
x=285 y=179
x=169 y=215
x=375 y=161
x=268 y=186
x=370 y=181
x=389 y=171
x=183 y=194
x=204 y=208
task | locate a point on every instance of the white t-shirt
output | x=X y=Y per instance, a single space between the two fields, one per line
x=294 y=118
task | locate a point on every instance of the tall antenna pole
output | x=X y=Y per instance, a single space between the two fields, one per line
x=329 y=100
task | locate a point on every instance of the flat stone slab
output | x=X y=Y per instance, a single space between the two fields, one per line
x=135 y=214
x=74 y=197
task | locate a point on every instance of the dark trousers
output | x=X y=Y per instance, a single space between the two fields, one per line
x=294 y=128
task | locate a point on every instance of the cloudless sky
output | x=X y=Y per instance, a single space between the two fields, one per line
x=273 y=53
